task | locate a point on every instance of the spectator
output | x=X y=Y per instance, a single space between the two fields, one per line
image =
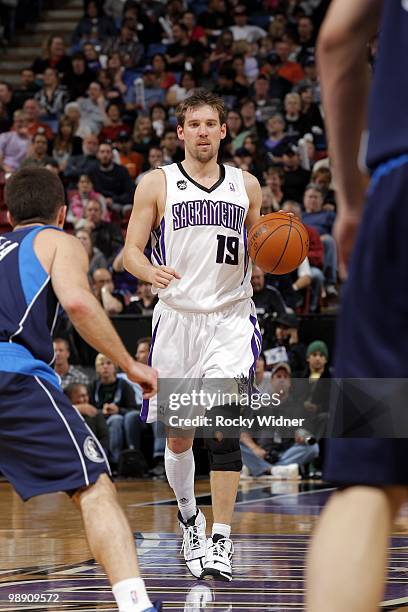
x=278 y=85
x=275 y=127
x=262 y=380
x=66 y=143
x=249 y=119
x=79 y=77
x=93 y=27
x=155 y=160
x=79 y=199
x=310 y=110
x=238 y=64
x=26 y=89
x=163 y=77
x=31 y=109
x=322 y=221
x=280 y=450
x=110 y=91
x=295 y=124
x=223 y=51
x=182 y=50
x=112 y=180
x=79 y=397
x=196 y=32
x=143 y=135
x=132 y=161
x=67 y=373
x=235 y=133
x=286 y=346
x=52 y=97
x=97 y=260
x=268 y=303
x=92 y=108
x=53 y=57
x=178 y=93
x=38 y=154
x=116 y=399
x=152 y=92
x=317 y=394
x=15 y=143
x=311 y=79
x=289 y=70
x=116 y=125
x=241 y=30
x=296 y=178
x=215 y=19
x=104 y=290
x=226 y=87
x=274 y=179
x=306 y=38
x=127 y=45
x=266 y=107
x=315 y=256
x=144 y=301
x=116 y=71
x=6 y=97
x=170 y=147
x=323 y=178
x=82 y=164
x=91 y=57
x=74 y=115
x=106 y=236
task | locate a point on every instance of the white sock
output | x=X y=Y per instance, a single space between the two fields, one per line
x=180 y=469
x=221 y=529
x=131 y=595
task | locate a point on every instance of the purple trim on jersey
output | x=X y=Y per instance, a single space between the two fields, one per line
x=145 y=404
x=256 y=350
x=154 y=254
x=246 y=260
x=162 y=245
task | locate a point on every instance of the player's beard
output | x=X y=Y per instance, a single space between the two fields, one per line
x=203 y=156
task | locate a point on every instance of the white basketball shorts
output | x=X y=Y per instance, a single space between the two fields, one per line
x=218 y=345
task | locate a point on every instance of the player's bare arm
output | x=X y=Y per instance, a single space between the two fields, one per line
x=345 y=79
x=345 y=74
x=68 y=270
x=254 y=192
x=148 y=209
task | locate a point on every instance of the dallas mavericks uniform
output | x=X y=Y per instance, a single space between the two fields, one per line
x=45 y=445
x=372 y=335
x=204 y=325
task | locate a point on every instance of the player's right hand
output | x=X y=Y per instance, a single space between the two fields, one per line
x=145 y=376
x=162 y=276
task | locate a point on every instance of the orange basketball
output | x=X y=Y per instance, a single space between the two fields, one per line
x=278 y=243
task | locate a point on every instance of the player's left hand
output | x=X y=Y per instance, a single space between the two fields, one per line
x=345 y=232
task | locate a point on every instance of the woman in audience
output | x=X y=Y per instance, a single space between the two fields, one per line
x=79 y=199
x=66 y=143
x=95 y=257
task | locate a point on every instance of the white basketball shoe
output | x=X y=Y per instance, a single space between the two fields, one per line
x=194 y=542
x=218 y=560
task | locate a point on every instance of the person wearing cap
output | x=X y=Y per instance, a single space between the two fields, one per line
x=311 y=78
x=271 y=452
x=317 y=392
x=296 y=177
x=153 y=94
x=285 y=344
x=241 y=30
x=131 y=160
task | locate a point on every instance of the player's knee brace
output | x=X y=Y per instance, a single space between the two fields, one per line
x=224 y=455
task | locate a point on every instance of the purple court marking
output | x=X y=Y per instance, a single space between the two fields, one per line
x=268 y=576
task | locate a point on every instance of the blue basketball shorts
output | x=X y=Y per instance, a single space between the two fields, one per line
x=45 y=444
x=372 y=332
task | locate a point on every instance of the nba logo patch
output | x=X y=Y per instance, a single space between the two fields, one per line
x=232 y=187
x=134 y=597
x=182 y=185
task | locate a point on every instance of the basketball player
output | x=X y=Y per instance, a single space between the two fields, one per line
x=348 y=556
x=45 y=445
x=204 y=325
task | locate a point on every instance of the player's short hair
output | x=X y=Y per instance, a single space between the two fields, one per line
x=201 y=97
x=34 y=195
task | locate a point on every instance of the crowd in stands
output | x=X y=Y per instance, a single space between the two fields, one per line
x=99 y=110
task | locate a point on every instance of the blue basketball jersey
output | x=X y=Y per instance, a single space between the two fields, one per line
x=28 y=307
x=387 y=116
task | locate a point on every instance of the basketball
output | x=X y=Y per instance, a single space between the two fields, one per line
x=278 y=243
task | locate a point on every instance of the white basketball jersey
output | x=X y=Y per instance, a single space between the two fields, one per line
x=202 y=235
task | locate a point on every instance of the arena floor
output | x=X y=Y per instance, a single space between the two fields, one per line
x=43 y=551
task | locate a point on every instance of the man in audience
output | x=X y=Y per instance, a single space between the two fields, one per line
x=116 y=399
x=106 y=236
x=67 y=372
x=32 y=112
x=14 y=144
x=112 y=180
x=268 y=303
x=92 y=108
x=79 y=396
x=38 y=156
x=104 y=291
x=82 y=164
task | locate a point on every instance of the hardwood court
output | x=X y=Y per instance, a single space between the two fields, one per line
x=44 y=557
